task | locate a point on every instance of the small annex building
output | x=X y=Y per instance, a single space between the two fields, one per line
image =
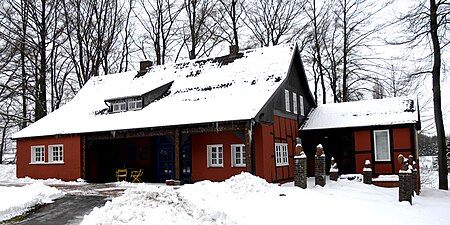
x=353 y=132
x=201 y=119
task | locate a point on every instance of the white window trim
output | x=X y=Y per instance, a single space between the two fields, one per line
x=209 y=156
x=133 y=102
x=242 y=155
x=302 y=106
x=50 y=154
x=375 y=145
x=294 y=103
x=33 y=154
x=286 y=100
x=281 y=154
x=119 y=105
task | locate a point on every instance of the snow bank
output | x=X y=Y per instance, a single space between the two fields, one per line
x=149 y=204
x=7 y=172
x=17 y=200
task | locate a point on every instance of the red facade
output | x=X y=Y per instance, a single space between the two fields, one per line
x=70 y=169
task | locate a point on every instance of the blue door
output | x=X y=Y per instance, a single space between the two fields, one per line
x=186 y=161
x=166 y=167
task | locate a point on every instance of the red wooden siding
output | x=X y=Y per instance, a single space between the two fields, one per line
x=285 y=131
x=401 y=143
x=362 y=141
x=200 y=170
x=363 y=149
x=402 y=138
x=264 y=148
x=69 y=170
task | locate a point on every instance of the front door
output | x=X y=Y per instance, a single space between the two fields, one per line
x=165 y=156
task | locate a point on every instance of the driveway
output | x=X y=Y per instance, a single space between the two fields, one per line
x=70 y=209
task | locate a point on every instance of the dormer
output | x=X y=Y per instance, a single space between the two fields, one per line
x=137 y=102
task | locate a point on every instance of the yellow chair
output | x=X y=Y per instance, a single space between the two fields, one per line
x=121 y=174
x=137 y=175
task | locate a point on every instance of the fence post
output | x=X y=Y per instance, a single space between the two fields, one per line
x=300 y=178
x=404 y=178
x=334 y=171
x=367 y=172
x=320 y=176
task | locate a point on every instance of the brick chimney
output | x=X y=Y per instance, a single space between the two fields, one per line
x=234 y=49
x=145 y=64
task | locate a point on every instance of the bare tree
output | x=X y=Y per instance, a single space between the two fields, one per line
x=229 y=19
x=272 y=21
x=159 y=19
x=92 y=29
x=201 y=32
x=427 y=25
x=319 y=17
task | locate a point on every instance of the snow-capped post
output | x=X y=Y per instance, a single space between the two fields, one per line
x=334 y=171
x=412 y=166
x=367 y=172
x=404 y=178
x=320 y=166
x=300 y=178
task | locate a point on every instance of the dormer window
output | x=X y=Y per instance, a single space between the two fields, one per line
x=135 y=103
x=119 y=105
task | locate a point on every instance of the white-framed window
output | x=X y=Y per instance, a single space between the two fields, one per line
x=302 y=106
x=56 y=154
x=382 y=145
x=119 y=106
x=135 y=103
x=238 y=155
x=286 y=100
x=38 y=154
x=294 y=102
x=215 y=155
x=281 y=154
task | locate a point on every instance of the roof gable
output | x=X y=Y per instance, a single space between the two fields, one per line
x=389 y=111
x=204 y=90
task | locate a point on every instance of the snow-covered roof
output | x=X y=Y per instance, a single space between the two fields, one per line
x=203 y=90
x=388 y=111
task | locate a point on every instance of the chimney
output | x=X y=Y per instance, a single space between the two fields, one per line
x=234 y=49
x=145 y=64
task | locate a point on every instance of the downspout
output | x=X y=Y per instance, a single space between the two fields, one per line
x=252 y=125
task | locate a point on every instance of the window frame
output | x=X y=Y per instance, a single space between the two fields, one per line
x=51 y=154
x=302 y=106
x=281 y=154
x=121 y=104
x=287 y=100
x=210 y=158
x=242 y=155
x=294 y=103
x=375 y=132
x=33 y=154
x=133 y=102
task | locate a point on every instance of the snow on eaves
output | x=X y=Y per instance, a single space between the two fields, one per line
x=388 y=111
x=203 y=90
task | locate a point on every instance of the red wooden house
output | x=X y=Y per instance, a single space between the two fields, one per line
x=352 y=132
x=201 y=119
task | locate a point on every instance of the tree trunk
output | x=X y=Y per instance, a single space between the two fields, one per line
x=439 y=122
x=41 y=103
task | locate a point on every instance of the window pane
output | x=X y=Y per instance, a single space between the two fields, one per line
x=294 y=102
x=382 y=145
x=286 y=100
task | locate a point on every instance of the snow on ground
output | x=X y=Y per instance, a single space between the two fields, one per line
x=17 y=196
x=17 y=200
x=246 y=199
x=242 y=199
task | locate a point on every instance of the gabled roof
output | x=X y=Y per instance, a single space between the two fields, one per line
x=388 y=111
x=227 y=88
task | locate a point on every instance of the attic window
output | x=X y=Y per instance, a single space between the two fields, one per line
x=119 y=105
x=135 y=103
